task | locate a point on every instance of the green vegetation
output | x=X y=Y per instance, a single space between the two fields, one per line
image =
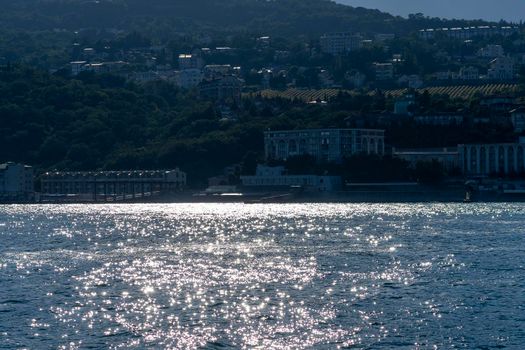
x=102 y=122
x=55 y=121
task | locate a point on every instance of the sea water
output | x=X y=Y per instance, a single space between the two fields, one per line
x=268 y=276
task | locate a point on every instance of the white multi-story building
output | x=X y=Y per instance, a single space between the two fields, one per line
x=384 y=71
x=16 y=181
x=443 y=75
x=356 y=78
x=105 y=67
x=326 y=145
x=338 y=43
x=276 y=177
x=384 y=37
x=468 y=32
x=487 y=159
x=189 y=61
x=469 y=73
x=517 y=117
x=491 y=51
x=501 y=68
x=222 y=89
x=77 y=67
x=188 y=78
x=212 y=71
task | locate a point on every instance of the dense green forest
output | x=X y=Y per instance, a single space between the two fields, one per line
x=100 y=122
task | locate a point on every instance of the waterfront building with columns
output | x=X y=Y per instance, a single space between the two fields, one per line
x=488 y=159
x=94 y=184
x=326 y=145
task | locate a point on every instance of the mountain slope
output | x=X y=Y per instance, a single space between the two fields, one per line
x=286 y=17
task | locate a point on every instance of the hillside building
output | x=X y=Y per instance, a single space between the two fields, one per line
x=468 y=32
x=213 y=71
x=501 y=68
x=339 y=43
x=190 y=61
x=439 y=119
x=491 y=51
x=468 y=73
x=384 y=71
x=517 y=117
x=222 y=89
x=188 y=78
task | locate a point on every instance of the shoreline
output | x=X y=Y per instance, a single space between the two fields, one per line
x=450 y=194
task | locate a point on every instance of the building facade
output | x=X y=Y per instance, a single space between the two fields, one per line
x=338 y=43
x=213 y=71
x=16 y=182
x=468 y=32
x=439 y=119
x=384 y=71
x=501 y=68
x=112 y=183
x=190 y=61
x=188 y=78
x=326 y=145
x=447 y=157
x=275 y=177
x=468 y=73
x=491 y=51
x=222 y=89
x=517 y=117
x=487 y=159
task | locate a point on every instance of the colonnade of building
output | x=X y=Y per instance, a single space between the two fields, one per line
x=492 y=159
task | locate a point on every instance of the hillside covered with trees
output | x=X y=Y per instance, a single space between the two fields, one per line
x=103 y=122
x=282 y=17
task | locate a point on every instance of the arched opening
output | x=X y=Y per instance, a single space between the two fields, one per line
x=292 y=147
x=501 y=160
x=302 y=146
x=281 y=150
x=473 y=159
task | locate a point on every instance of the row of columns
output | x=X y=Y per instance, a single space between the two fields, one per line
x=488 y=159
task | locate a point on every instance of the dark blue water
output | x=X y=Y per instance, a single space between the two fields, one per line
x=262 y=276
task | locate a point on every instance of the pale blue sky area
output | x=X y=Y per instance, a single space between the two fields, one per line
x=510 y=10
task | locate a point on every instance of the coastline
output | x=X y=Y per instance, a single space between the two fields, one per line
x=355 y=197
x=368 y=193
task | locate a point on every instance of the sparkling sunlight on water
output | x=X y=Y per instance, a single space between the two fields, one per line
x=262 y=276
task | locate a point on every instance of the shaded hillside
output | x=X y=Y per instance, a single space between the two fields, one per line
x=280 y=17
